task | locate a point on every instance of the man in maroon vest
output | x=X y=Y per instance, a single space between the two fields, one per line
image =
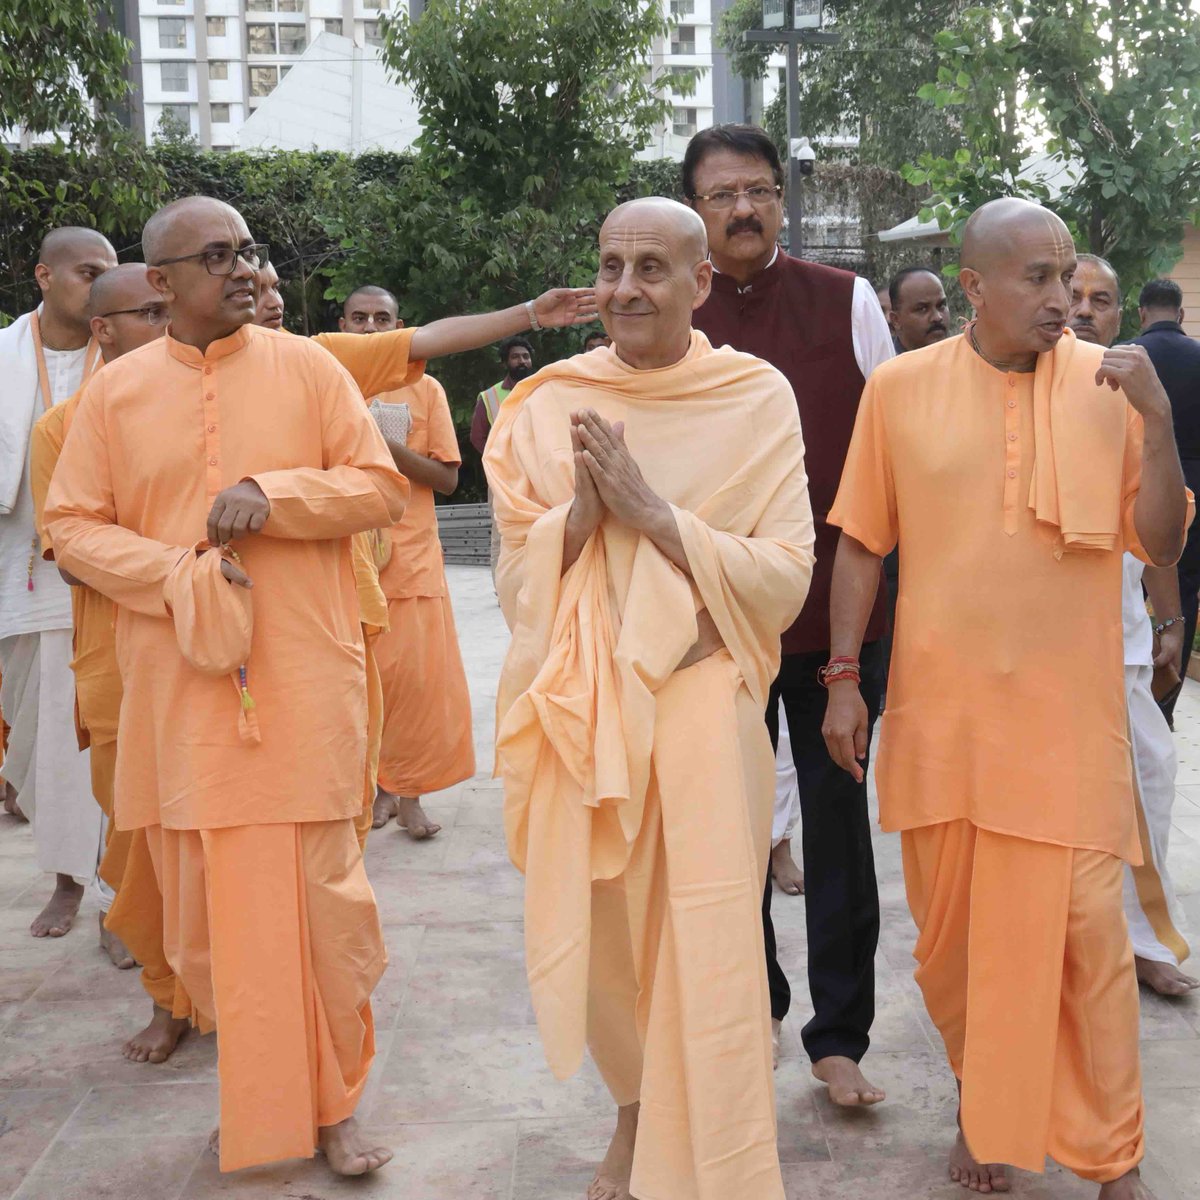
x=824 y=329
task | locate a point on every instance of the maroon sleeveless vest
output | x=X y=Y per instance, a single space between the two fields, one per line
x=796 y=316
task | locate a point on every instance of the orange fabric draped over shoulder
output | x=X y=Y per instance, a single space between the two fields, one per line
x=636 y=909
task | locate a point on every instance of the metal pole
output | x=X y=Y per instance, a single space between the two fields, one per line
x=795 y=202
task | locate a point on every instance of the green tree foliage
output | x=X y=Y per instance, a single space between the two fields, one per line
x=61 y=66
x=533 y=112
x=552 y=94
x=865 y=84
x=1110 y=88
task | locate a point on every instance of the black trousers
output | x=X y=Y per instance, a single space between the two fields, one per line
x=841 y=898
x=1189 y=582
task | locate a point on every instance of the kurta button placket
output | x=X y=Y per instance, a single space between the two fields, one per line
x=1012 y=461
x=212 y=441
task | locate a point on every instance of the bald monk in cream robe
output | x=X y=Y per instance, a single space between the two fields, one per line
x=243 y=723
x=1015 y=464
x=656 y=541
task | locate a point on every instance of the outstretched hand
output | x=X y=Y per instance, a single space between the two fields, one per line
x=562 y=307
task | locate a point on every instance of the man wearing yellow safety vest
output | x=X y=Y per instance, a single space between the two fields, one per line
x=516 y=354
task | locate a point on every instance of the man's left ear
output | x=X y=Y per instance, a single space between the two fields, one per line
x=704 y=278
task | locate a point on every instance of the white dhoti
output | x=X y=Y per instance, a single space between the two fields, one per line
x=787 y=787
x=44 y=763
x=1156 y=923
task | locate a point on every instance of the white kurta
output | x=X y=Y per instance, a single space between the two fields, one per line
x=44 y=764
x=787 y=787
x=1152 y=909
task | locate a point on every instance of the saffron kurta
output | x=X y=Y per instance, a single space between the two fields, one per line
x=1013 y=496
x=245 y=801
x=638 y=798
x=427 y=741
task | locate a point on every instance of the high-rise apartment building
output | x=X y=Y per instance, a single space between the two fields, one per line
x=205 y=65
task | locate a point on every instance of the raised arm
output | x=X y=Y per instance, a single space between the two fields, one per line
x=1160 y=510
x=357 y=488
x=556 y=309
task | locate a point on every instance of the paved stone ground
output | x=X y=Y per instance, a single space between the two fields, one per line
x=460 y=1087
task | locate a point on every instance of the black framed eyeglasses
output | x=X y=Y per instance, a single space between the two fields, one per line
x=756 y=195
x=152 y=314
x=224 y=261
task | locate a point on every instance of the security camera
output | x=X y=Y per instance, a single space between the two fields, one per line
x=804 y=154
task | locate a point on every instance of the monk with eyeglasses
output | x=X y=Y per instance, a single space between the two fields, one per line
x=126 y=313
x=210 y=486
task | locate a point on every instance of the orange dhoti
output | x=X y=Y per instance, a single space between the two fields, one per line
x=1027 y=971
x=273 y=930
x=427 y=742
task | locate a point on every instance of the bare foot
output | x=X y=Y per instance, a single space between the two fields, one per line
x=116 y=950
x=1165 y=978
x=347 y=1151
x=614 y=1173
x=156 y=1043
x=783 y=867
x=385 y=808
x=59 y=914
x=776 y=1042
x=1128 y=1187
x=214 y=1142
x=413 y=819
x=976 y=1176
x=10 y=802
x=848 y=1086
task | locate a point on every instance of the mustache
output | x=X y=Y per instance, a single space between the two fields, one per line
x=743 y=225
x=937 y=325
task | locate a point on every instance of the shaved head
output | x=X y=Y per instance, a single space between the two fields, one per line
x=683 y=225
x=370 y=309
x=127 y=311
x=1016 y=267
x=174 y=225
x=73 y=243
x=125 y=286
x=371 y=291
x=654 y=273
x=997 y=230
x=203 y=262
x=70 y=260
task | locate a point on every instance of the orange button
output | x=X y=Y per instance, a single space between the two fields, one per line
x=209 y=396
x=1012 y=382
x=1012 y=437
x=1012 y=404
x=1011 y=474
x=212 y=462
x=208 y=370
x=212 y=429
